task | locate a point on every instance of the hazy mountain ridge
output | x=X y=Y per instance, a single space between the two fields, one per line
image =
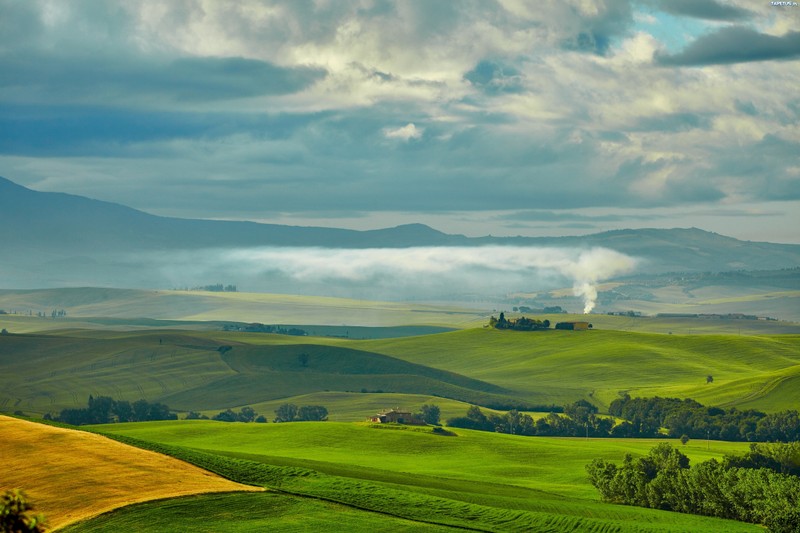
x=66 y=240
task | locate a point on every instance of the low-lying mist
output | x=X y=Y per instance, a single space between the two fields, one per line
x=427 y=273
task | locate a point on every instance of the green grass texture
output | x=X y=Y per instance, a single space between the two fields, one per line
x=188 y=371
x=475 y=480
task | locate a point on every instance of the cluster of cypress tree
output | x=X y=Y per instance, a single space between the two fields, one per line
x=736 y=488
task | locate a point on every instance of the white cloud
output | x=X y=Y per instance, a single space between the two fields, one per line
x=405 y=133
x=398 y=273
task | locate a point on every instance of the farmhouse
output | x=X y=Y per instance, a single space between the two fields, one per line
x=396 y=416
x=577 y=326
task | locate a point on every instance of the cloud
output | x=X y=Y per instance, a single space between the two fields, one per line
x=252 y=108
x=100 y=79
x=703 y=9
x=494 y=77
x=735 y=44
x=490 y=271
x=405 y=133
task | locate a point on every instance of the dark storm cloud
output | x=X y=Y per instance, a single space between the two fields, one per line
x=703 y=9
x=97 y=131
x=116 y=79
x=735 y=44
x=494 y=77
x=755 y=165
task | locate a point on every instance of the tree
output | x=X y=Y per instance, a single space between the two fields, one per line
x=303 y=359
x=709 y=379
x=286 y=413
x=684 y=439
x=315 y=413
x=247 y=414
x=16 y=516
x=100 y=409
x=226 y=416
x=430 y=414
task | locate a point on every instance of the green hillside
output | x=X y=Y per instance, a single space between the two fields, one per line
x=557 y=366
x=482 y=481
x=208 y=370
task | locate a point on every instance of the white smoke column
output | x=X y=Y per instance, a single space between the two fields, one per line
x=420 y=270
x=594 y=265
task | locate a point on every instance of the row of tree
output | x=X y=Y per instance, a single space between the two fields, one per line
x=581 y=420
x=106 y=410
x=245 y=414
x=735 y=488
x=646 y=416
x=520 y=324
x=289 y=412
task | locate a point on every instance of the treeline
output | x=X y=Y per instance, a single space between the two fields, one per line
x=737 y=488
x=289 y=412
x=520 y=324
x=245 y=414
x=106 y=410
x=257 y=327
x=217 y=287
x=581 y=420
x=646 y=416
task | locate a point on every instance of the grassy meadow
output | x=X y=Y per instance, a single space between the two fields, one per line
x=475 y=480
x=345 y=473
x=214 y=370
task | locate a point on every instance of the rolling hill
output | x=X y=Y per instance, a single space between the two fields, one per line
x=468 y=480
x=214 y=370
x=73 y=475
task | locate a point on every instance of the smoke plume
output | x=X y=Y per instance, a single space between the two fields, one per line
x=397 y=273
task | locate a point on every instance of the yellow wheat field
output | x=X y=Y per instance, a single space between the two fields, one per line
x=71 y=475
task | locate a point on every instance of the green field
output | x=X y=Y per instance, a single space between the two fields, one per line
x=381 y=478
x=188 y=370
x=484 y=481
x=265 y=511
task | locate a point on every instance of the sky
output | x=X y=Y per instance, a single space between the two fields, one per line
x=481 y=117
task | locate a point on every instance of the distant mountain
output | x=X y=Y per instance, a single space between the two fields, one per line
x=54 y=239
x=57 y=221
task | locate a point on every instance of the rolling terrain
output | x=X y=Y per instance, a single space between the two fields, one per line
x=472 y=480
x=72 y=475
x=213 y=370
x=390 y=478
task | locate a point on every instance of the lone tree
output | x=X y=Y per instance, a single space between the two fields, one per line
x=709 y=379
x=16 y=516
x=430 y=414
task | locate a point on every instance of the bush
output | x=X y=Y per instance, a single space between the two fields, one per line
x=15 y=514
